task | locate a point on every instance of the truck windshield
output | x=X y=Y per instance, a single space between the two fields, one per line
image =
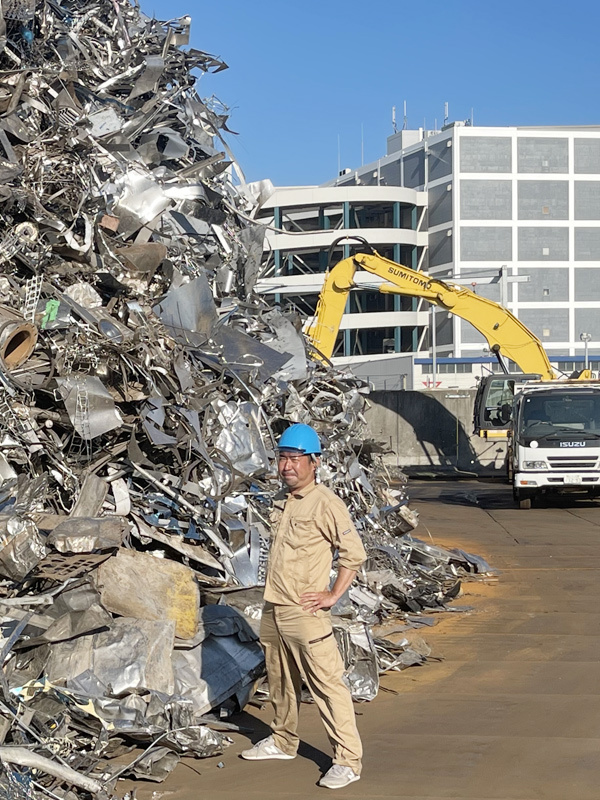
x=559 y=414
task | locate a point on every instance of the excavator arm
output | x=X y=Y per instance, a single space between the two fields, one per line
x=504 y=333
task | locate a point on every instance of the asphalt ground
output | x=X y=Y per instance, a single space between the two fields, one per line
x=511 y=712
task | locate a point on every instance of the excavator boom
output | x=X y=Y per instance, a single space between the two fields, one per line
x=504 y=333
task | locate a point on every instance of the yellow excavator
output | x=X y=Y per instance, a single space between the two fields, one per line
x=506 y=335
x=552 y=426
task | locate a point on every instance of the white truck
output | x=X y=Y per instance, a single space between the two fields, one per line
x=554 y=441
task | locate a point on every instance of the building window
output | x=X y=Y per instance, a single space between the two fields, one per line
x=575 y=366
x=307 y=262
x=495 y=366
x=448 y=369
x=374 y=215
x=369 y=341
x=311 y=218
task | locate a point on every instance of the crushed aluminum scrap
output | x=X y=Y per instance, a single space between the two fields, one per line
x=142 y=388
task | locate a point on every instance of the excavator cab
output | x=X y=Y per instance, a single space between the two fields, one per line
x=492 y=414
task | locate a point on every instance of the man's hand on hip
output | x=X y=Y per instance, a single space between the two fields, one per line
x=313 y=601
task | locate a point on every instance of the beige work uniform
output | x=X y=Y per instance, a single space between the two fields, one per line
x=300 y=645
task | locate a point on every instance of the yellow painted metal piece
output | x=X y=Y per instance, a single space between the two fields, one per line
x=136 y=584
x=496 y=433
x=29 y=690
x=503 y=331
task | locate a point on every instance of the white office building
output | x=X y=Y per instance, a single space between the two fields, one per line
x=513 y=213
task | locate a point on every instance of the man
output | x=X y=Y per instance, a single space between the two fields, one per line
x=296 y=631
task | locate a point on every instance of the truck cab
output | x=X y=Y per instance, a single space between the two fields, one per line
x=555 y=446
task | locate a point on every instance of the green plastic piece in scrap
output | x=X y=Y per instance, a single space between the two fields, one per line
x=50 y=312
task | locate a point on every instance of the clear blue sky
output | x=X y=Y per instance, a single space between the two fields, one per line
x=303 y=73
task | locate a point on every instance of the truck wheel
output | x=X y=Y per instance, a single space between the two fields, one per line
x=525 y=502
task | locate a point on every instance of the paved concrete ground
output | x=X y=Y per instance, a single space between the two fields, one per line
x=513 y=710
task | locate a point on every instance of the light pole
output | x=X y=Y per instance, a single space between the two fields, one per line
x=433 y=348
x=585 y=338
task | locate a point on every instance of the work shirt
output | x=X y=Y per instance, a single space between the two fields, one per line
x=314 y=523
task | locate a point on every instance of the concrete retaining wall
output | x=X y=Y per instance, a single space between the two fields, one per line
x=433 y=430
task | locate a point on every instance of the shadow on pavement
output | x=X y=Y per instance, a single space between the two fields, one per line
x=259 y=730
x=492 y=497
x=566 y=502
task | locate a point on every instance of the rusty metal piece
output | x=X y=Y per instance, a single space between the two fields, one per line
x=60 y=567
x=18 y=338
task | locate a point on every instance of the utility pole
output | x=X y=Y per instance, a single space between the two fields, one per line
x=585 y=338
x=433 y=349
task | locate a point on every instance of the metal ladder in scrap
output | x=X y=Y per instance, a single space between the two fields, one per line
x=33 y=291
x=82 y=421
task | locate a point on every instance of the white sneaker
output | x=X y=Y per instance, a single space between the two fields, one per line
x=263 y=750
x=338 y=776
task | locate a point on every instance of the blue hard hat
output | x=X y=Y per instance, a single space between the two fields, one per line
x=300 y=437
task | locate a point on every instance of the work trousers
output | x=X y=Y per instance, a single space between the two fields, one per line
x=299 y=645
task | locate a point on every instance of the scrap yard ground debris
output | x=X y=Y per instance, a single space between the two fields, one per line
x=142 y=387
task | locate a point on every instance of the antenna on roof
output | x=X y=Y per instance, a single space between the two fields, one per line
x=445 y=113
x=394 y=119
x=362 y=143
x=405 y=122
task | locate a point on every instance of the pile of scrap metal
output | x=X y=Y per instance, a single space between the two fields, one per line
x=143 y=386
